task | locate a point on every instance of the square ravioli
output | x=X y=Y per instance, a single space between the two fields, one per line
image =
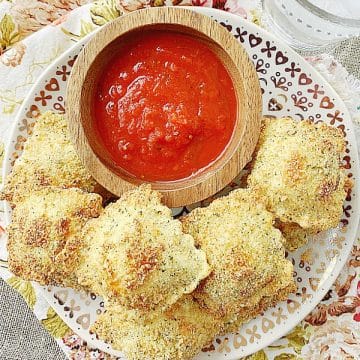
x=43 y=237
x=48 y=159
x=137 y=255
x=245 y=252
x=297 y=170
x=179 y=333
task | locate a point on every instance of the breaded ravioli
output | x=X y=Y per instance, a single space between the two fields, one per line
x=179 y=333
x=244 y=250
x=137 y=254
x=48 y=159
x=297 y=171
x=244 y=314
x=43 y=237
x=294 y=235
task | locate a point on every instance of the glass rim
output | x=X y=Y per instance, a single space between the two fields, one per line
x=323 y=13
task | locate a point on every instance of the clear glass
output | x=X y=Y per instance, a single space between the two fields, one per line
x=349 y=9
x=313 y=25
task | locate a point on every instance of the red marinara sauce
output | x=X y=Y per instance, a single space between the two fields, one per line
x=165 y=106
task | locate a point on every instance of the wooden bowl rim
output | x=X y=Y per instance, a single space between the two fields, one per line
x=212 y=182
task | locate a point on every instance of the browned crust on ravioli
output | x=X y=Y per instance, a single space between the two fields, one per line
x=137 y=256
x=179 y=333
x=244 y=250
x=297 y=170
x=43 y=237
x=48 y=159
x=247 y=313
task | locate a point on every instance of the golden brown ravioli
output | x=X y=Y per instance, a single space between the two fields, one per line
x=137 y=254
x=245 y=252
x=297 y=171
x=48 y=159
x=43 y=237
x=233 y=323
x=178 y=333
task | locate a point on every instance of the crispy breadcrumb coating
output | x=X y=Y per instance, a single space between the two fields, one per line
x=48 y=159
x=43 y=237
x=244 y=250
x=297 y=171
x=245 y=314
x=294 y=235
x=137 y=254
x=178 y=333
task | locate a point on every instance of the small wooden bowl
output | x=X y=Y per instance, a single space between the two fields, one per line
x=109 y=40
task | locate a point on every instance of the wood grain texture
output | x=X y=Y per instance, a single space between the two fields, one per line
x=91 y=63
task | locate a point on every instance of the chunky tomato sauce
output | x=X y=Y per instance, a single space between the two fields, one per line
x=165 y=106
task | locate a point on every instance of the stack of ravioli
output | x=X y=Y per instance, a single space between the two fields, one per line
x=170 y=286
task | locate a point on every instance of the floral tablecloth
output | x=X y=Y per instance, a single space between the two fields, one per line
x=35 y=32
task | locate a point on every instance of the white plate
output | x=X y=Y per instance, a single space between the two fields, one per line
x=291 y=87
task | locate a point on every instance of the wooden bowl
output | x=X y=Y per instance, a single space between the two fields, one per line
x=109 y=40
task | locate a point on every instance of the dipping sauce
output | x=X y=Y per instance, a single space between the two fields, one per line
x=165 y=106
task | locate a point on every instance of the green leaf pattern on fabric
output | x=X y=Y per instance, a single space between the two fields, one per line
x=285 y=356
x=298 y=337
x=255 y=17
x=162 y=2
x=86 y=28
x=54 y=325
x=25 y=288
x=8 y=33
x=104 y=11
x=260 y=355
